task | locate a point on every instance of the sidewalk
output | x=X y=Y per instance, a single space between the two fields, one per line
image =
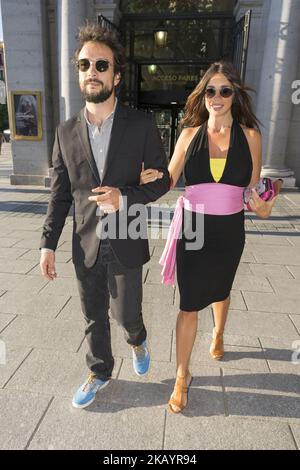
x=249 y=400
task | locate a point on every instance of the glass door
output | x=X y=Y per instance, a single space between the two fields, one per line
x=167 y=121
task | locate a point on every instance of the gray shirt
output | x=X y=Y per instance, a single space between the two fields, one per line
x=100 y=138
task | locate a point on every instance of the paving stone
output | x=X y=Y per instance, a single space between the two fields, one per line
x=154 y=275
x=44 y=333
x=60 y=286
x=12 y=266
x=236 y=357
x=286 y=287
x=286 y=255
x=237 y=301
x=5 y=232
x=270 y=239
x=65 y=246
x=36 y=374
x=267 y=302
x=22 y=283
x=294 y=240
x=226 y=434
x=243 y=270
x=125 y=427
x=30 y=235
x=274 y=270
x=35 y=305
x=296 y=434
x=282 y=356
x=163 y=295
x=14 y=356
x=247 y=257
x=20 y=415
x=260 y=324
x=7 y=242
x=5 y=320
x=252 y=284
x=263 y=395
x=11 y=253
x=72 y=310
x=295 y=271
x=296 y=321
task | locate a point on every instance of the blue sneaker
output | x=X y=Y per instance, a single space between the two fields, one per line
x=141 y=359
x=86 y=394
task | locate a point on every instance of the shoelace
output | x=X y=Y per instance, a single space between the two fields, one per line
x=140 y=352
x=89 y=382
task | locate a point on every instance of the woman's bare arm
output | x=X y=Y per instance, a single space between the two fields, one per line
x=255 y=145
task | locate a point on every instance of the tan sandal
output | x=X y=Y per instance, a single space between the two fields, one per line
x=217 y=346
x=180 y=392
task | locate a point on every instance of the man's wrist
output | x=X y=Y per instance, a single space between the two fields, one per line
x=46 y=250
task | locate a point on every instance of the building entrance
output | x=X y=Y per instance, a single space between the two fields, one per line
x=167 y=119
x=168 y=52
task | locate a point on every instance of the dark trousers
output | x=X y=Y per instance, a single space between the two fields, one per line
x=108 y=284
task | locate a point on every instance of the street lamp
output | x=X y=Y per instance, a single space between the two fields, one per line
x=152 y=69
x=161 y=36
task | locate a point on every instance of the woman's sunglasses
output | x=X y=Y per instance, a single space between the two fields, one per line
x=225 y=91
x=84 y=64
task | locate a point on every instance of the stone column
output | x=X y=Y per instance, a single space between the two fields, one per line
x=27 y=67
x=293 y=147
x=71 y=15
x=259 y=15
x=279 y=70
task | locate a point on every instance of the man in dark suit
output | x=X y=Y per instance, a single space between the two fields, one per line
x=97 y=161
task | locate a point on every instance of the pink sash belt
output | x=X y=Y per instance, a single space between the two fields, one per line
x=205 y=198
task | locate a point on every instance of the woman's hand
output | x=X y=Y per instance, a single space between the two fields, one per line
x=147 y=176
x=264 y=208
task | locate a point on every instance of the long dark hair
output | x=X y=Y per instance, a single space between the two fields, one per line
x=195 y=112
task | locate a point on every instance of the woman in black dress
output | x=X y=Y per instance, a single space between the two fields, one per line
x=220 y=144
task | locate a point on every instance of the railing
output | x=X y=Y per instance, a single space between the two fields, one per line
x=240 y=44
x=107 y=24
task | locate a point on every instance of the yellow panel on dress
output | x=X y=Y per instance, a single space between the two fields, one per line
x=217 y=166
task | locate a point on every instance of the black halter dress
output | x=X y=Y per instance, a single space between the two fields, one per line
x=206 y=275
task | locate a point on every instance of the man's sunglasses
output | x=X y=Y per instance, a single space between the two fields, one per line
x=225 y=91
x=84 y=64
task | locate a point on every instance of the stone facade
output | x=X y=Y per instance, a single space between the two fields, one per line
x=40 y=38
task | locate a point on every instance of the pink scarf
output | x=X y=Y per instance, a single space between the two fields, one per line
x=205 y=198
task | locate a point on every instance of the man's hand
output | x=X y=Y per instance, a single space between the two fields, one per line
x=108 y=200
x=147 y=176
x=47 y=265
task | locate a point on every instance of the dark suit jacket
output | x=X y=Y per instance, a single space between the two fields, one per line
x=134 y=139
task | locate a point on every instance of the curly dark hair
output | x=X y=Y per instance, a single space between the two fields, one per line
x=95 y=33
